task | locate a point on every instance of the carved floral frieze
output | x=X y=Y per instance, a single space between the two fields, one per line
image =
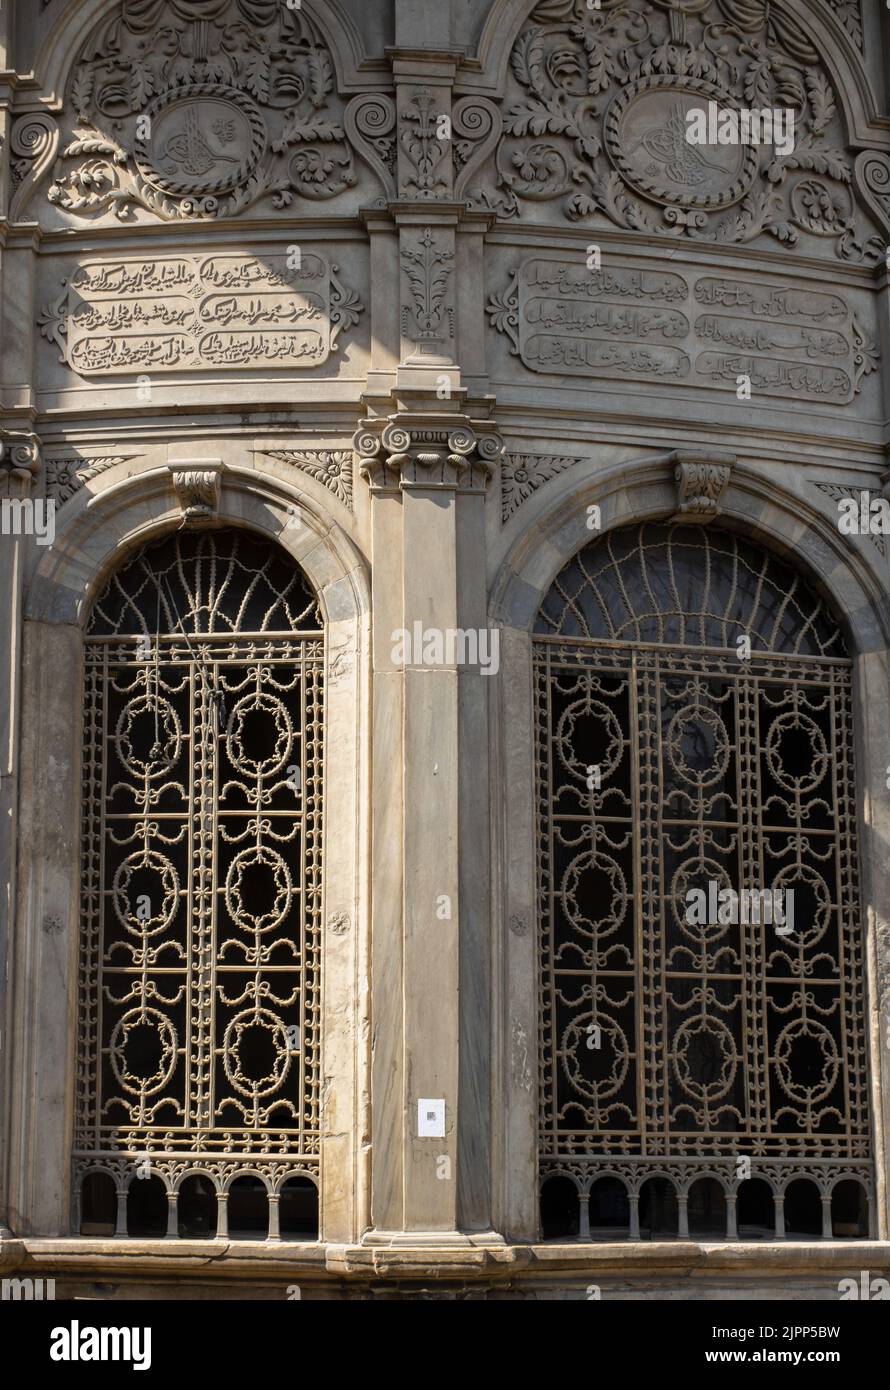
x=330 y=467
x=595 y=122
x=66 y=475
x=523 y=474
x=200 y=108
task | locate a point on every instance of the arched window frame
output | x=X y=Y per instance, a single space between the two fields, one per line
x=191 y=639
x=556 y=527
x=111 y=518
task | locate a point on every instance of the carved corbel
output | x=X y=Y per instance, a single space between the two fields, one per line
x=197 y=484
x=702 y=478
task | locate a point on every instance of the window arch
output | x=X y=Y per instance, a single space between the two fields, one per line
x=199 y=974
x=701 y=971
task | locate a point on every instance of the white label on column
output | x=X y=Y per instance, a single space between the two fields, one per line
x=431 y=1119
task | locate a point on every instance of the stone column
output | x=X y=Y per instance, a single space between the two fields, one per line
x=19 y=464
x=427 y=468
x=427 y=450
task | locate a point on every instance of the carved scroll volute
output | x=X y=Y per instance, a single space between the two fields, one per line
x=873 y=179
x=33 y=144
x=197 y=484
x=701 y=479
x=370 y=122
x=20 y=457
x=477 y=128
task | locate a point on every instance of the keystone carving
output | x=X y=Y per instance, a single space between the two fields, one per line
x=702 y=480
x=197 y=486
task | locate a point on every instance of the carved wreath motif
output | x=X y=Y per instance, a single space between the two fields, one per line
x=595 y=118
x=200 y=110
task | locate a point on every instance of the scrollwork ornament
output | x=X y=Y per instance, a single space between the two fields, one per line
x=371 y=125
x=192 y=118
x=462 y=442
x=20 y=454
x=396 y=439
x=595 y=122
x=33 y=145
x=367 y=444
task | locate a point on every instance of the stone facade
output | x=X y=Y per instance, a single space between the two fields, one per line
x=440 y=277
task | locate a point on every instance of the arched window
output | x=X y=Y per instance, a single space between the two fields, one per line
x=199 y=979
x=694 y=736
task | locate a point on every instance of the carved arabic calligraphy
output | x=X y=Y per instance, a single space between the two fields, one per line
x=186 y=312
x=792 y=342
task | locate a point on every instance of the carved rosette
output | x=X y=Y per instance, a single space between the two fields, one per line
x=701 y=480
x=67 y=475
x=427 y=452
x=330 y=467
x=523 y=474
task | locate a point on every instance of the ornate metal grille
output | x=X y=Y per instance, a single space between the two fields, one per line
x=200 y=949
x=668 y=760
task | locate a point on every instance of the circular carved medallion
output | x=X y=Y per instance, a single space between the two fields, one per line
x=201 y=139
x=646 y=131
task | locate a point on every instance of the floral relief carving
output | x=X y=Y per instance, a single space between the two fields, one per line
x=331 y=467
x=523 y=474
x=429 y=269
x=850 y=15
x=425 y=146
x=842 y=491
x=595 y=120
x=201 y=108
x=67 y=475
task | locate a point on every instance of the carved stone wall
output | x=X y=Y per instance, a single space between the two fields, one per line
x=424 y=290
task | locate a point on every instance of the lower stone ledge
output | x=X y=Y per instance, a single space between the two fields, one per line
x=212 y=1268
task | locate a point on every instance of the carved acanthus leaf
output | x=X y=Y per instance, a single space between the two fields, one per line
x=67 y=475
x=523 y=474
x=701 y=480
x=331 y=467
x=839 y=492
x=596 y=119
x=191 y=116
